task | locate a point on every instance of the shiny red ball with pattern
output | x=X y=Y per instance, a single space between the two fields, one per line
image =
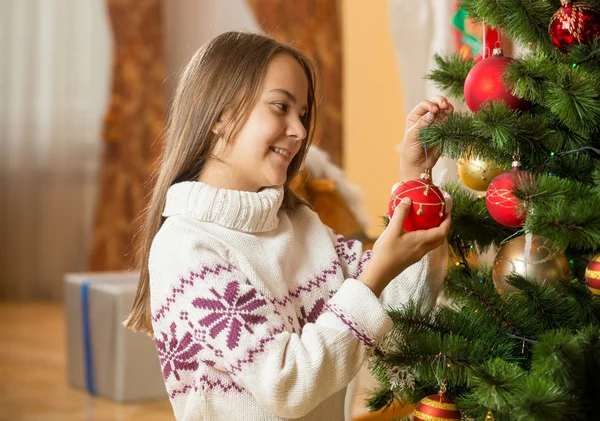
x=436 y=407
x=572 y=24
x=500 y=201
x=428 y=204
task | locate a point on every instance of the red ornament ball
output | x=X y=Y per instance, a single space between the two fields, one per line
x=436 y=407
x=428 y=204
x=572 y=24
x=592 y=275
x=501 y=203
x=484 y=84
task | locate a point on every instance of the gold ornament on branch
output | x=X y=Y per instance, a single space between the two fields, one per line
x=538 y=259
x=476 y=173
x=490 y=416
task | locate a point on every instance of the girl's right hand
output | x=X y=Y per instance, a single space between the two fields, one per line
x=395 y=250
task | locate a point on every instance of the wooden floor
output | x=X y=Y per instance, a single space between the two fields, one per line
x=34 y=384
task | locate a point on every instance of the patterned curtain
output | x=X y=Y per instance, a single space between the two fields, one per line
x=132 y=130
x=313 y=26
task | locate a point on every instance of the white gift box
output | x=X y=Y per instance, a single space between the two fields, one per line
x=104 y=357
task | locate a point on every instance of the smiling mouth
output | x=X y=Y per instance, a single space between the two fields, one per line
x=286 y=154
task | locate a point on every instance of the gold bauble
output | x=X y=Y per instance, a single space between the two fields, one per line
x=545 y=263
x=476 y=173
x=490 y=416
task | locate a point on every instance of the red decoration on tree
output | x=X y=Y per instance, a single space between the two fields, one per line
x=428 y=204
x=572 y=24
x=501 y=203
x=484 y=83
x=436 y=407
x=592 y=275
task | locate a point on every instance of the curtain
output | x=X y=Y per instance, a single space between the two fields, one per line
x=54 y=79
x=132 y=131
x=313 y=26
x=419 y=30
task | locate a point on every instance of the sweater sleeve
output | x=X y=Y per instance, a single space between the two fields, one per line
x=214 y=315
x=421 y=281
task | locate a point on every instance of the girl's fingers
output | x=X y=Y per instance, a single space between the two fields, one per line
x=441 y=101
x=438 y=234
x=420 y=110
x=400 y=214
x=422 y=121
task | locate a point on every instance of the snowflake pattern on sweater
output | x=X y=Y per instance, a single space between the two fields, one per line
x=261 y=317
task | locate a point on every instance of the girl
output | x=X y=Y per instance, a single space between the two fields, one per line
x=258 y=310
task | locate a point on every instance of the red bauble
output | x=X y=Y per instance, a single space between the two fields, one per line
x=592 y=275
x=484 y=83
x=428 y=204
x=572 y=24
x=436 y=407
x=501 y=203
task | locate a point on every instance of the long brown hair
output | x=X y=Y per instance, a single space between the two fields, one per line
x=226 y=72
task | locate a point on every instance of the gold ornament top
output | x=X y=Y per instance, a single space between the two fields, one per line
x=440 y=405
x=490 y=416
x=476 y=173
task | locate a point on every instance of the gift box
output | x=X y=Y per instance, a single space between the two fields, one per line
x=104 y=357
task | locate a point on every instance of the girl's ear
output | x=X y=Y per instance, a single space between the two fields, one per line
x=224 y=118
x=216 y=128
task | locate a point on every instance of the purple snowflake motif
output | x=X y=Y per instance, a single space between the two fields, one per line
x=344 y=250
x=177 y=354
x=313 y=315
x=232 y=311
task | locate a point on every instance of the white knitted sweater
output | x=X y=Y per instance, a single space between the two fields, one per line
x=257 y=312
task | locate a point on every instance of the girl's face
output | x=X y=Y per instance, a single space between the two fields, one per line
x=261 y=152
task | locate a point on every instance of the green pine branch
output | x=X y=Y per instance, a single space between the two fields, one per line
x=525 y=21
x=472 y=226
x=562 y=210
x=450 y=74
x=496 y=133
x=496 y=352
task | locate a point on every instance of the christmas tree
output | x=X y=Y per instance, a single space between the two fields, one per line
x=519 y=338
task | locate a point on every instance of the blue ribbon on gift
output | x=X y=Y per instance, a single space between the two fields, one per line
x=87 y=342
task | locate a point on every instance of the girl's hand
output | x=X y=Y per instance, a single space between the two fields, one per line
x=395 y=250
x=413 y=161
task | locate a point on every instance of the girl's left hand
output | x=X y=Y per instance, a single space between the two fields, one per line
x=413 y=161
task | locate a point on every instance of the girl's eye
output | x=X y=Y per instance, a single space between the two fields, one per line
x=282 y=106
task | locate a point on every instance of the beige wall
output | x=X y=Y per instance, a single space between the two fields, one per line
x=373 y=110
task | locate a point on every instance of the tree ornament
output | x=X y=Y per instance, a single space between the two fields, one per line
x=537 y=258
x=592 y=275
x=476 y=173
x=490 y=416
x=572 y=24
x=484 y=84
x=428 y=204
x=500 y=201
x=436 y=407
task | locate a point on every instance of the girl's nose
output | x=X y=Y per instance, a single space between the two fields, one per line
x=296 y=130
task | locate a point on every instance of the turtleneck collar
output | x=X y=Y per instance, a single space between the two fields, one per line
x=239 y=210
